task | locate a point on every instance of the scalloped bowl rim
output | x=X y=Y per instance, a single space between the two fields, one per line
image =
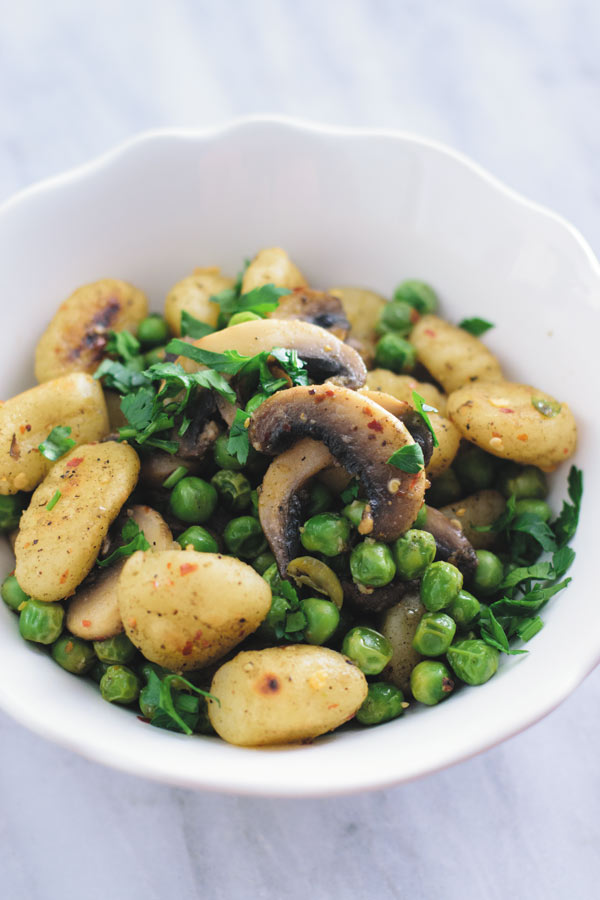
x=266 y=778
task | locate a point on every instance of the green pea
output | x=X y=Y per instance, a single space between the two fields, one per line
x=473 y=661
x=319 y=499
x=254 y=402
x=263 y=562
x=98 y=670
x=431 y=682
x=222 y=457
x=444 y=489
x=244 y=537
x=153 y=331
x=193 y=500
x=325 y=533
x=354 y=512
x=524 y=482
x=396 y=353
x=383 y=703
x=488 y=574
x=152 y=357
x=12 y=594
x=372 y=564
x=418 y=294
x=397 y=316
x=41 y=622
x=421 y=519
x=115 y=650
x=440 y=585
x=201 y=540
x=233 y=488
x=272 y=626
x=464 y=609
x=120 y=685
x=73 y=654
x=533 y=507
x=11 y=507
x=435 y=632
x=323 y=618
x=475 y=469
x=369 y=649
x=245 y=316
x=413 y=552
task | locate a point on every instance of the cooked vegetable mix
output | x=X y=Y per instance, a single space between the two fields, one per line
x=254 y=489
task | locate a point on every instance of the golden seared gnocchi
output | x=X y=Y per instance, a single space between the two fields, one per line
x=452 y=355
x=184 y=610
x=76 y=338
x=74 y=400
x=57 y=548
x=515 y=421
x=272 y=266
x=363 y=309
x=192 y=295
x=402 y=387
x=284 y=694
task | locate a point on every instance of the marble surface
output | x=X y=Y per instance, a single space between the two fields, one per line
x=516 y=85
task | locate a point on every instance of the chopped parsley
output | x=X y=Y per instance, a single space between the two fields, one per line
x=194 y=328
x=50 y=506
x=238 y=443
x=423 y=408
x=58 y=443
x=351 y=492
x=133 y=539
x=123 y=344
x=475 y=326
x=565 y=526
x=408 y=458
x=261 y=300
x=173 y=708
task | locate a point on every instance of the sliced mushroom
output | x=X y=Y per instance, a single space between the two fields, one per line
x=451 y=544
x=93 y=613
x=361 y=435
x=326 y=357
x=279 y=506
x=375 y=600
x=317 y=307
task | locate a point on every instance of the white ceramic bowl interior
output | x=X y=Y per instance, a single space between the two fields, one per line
x=352 y=207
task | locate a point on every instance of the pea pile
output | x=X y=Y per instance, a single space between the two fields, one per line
x=382 y=530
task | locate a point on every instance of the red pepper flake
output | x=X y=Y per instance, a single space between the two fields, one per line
x=505 y=409
x=367 y=411
x=330 y=393
x=85 y=623
x=522 y=437
x=430 y=332
x=187 y=648
x=319 y=398
x=22 y=429
x=333 y=706
x=76 y=461
x=198 y=635
x=566 y=450
x=63 y=577
x=132 y=622
x=186 y=568
x=496 y=434
x=374 y=425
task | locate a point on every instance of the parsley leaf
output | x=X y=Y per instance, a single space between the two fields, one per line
x=528 y=523
x=133 y=538
x=423 y=408
x=529 y=627
x=238 y=443
x=565 y=526
x=174 y=709
x=562 y=561
x=194 y=328
x=408 y=458
x=548 y=408
x=57 y=443
x=351 y=492
x=260 y=300
x=123 y=344
x=138 y=408
x=229 y=362
x=540 y=570
x=493 y=633
x=119 y=377
x=475 y=326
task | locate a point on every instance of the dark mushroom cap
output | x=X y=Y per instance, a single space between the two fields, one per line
x=317 y=307
x=326 y=357
x=377 y=600
x=361 y=435
x=451 y=544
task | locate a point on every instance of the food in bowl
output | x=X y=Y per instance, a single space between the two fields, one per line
x=277 y=509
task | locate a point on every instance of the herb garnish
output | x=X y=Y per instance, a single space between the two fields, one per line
x=123 y=344
x=351 y=492
x=475 y=326
x=260 y=300
x=52 y=503
x=194 y=328
x=565 y=526
x=238 y=443
x=408 y=458
x=423 y=408
x=57 y=443
x=174 y=709
x=133 y=538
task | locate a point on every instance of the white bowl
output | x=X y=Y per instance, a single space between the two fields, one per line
x=352 y=207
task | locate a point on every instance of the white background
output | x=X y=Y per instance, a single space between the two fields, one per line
x=516 y=85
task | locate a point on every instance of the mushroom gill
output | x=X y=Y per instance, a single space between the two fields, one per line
x=360 y=435
x=316 y=307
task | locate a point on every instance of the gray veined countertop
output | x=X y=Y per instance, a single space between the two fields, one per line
x=516 y=85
